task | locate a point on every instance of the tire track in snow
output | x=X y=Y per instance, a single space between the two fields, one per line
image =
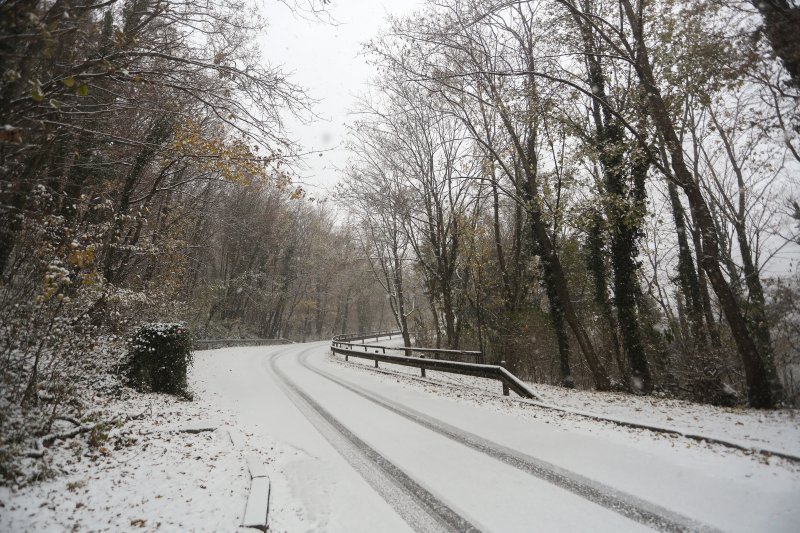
x=630 y=506
x=421 y=510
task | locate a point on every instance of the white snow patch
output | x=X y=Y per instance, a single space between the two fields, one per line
x=149 y=474
x=777 y=430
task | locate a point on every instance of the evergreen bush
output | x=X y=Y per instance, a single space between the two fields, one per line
x=159 y=356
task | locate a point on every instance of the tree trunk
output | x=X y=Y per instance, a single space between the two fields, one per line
x=345 y=312
x=159 y=133
x=555 y=281
x=624 y=207
x=498 y=244
x=596 y=263
x=763 y=388
x=702 y=284
x=687 y=275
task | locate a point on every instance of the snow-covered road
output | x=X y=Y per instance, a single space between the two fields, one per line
x=349 y=452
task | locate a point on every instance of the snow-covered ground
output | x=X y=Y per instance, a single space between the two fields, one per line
x=777 y=430
x=729 y=487
x=149 y=473
x=349 y=448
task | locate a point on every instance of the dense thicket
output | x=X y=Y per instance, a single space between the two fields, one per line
x=144 y=177
x=593 y=190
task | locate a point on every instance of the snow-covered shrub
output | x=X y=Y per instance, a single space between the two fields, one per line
x=159 y=356
x=61 y=321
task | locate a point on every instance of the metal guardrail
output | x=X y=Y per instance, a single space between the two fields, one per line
x=448 y=355
x=210 y=344
x=346 y=337
x=378 y=353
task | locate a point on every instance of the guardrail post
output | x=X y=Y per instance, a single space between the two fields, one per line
x=422 y=368
x=376 y=363
x=505 y=385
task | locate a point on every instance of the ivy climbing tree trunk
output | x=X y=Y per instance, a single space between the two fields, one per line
x=623 y=202
x=763 y=386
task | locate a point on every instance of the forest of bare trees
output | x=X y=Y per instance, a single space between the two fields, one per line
x=602 y=193
x=147 y=176
x=599 y=192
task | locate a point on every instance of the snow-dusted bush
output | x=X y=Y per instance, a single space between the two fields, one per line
x=159 y=355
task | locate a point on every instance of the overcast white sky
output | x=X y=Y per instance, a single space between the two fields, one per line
x=327 y=60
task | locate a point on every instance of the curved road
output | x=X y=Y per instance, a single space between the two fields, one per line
x=358 y=453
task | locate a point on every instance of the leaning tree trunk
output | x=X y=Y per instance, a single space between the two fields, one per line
x=687 y=275
x=764 y=389
x=556 y=277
